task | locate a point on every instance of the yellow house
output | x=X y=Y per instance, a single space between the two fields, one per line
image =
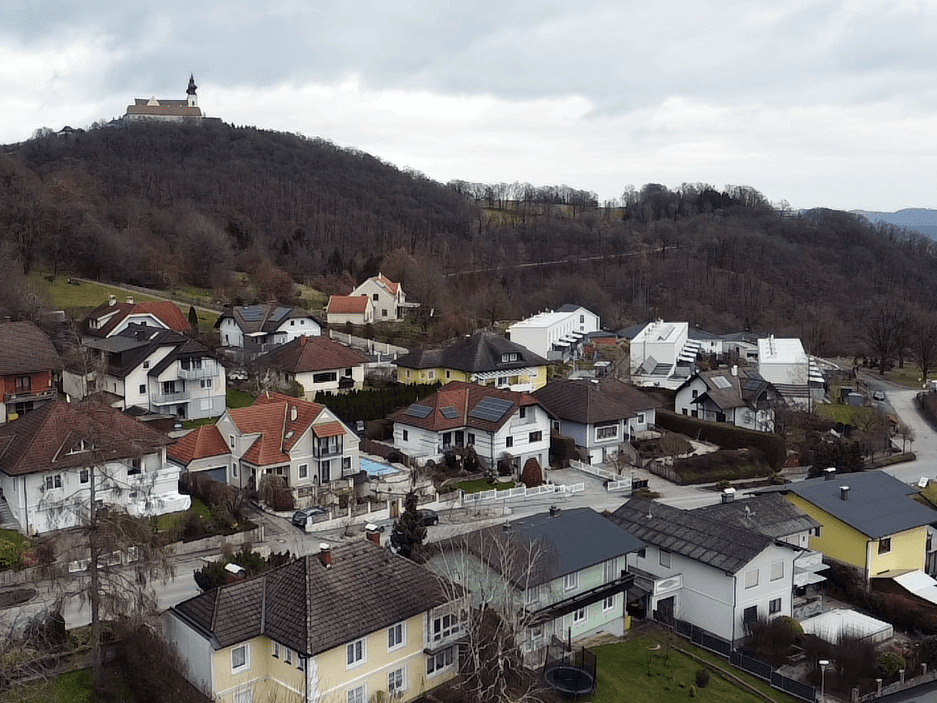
x=485 y=358
x=867 y=519
x=342 y=626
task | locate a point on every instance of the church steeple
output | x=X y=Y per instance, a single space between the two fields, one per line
x=193 y=98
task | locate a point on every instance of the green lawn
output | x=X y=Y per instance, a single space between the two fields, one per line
x=635 y=671
x=848 y=414
x=71 y=687
x=12 y=546
x=481 y=484
x=238 y=399
x=167 y=522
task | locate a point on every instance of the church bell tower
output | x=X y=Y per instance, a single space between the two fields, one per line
x=193 y=98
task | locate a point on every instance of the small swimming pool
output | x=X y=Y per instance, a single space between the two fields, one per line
x=376 y=468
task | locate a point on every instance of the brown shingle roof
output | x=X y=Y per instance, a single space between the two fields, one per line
x=480 y=352
x=462 y=398
x=347 y=304
x=590 y=402
x=200 y=443
x=312 y=609
x=24 y=348
x=305 y=354
x=272 y=416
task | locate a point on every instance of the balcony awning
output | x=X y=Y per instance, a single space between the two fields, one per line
x=487 y=375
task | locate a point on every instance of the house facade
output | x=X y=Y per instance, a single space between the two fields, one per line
x=785 y=365
x=498 y=424
x=112 y=318
x=712 y=574
x=318 y=363
x=555 y=335
x=564 y=571
x=155 y=369
x=599 y=414
x=50 y=458
x=387 y=297
x=351 y=309
x=737 y=396
x=28 y=364
x=303 y=443
x=485 y=358
x=663 y=355
x=344 y=625
x=254 y=329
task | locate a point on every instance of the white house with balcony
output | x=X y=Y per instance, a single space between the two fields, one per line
x=254 y=329
x=663 y=355
x=555 y=335
x=498 y=424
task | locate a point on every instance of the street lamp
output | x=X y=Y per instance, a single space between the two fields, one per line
x=823 y=664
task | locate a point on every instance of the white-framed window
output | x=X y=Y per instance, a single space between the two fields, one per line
x=579 y=616
x=358 y=694
x=508 y=442
x=142 y=389
x=397 y=681
x=777 y=571
x=444 y=626
x=640 y=418
x=774 y=606
x=509 y=357
x=884 y=545
x=304 y=470
x=610 y=571
x=240 y=658
x=523 y=412
x=134 y=468
x=431 y=375
x=396 y=636
x=437 y=662
x=751 y=578
x=571 y=581
x=535 y=437
x=288 y=658
x=608 y=603
x=533 y=595
x=502 y=380
x=404 y=435
x=355 y=653
x=205 y=383
x=606 y=431
x=231 y=441
x=146 y=364
x=53 y=481
x=346 y=463
x=83 y=476
x=665 y=558
x=815 y=532
x=276 y=650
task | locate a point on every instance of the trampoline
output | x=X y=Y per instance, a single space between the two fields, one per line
x=570 y=680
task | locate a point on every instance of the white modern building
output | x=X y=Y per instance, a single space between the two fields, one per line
x=663 y=355
x=794 y=374
x=555 y=335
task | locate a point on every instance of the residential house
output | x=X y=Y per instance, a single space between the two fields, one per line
x=254 y=329
x=713 y=574
x=556 y=336
x=304 y=443
x=111 y=318
x=599 y=414
x=353 y=309
x=155 y=369
x=737 y=396
x=499 y=424
x=773 y=516
x=563 y=570
x=318 y=363
x=50 y=457
x=867 y=519
x=28 y=364
x=663 y=355
x=347 y=624
x=711 y=345
x=785 y=365
x=203 y=450
x=485 y=357
x=386 y=296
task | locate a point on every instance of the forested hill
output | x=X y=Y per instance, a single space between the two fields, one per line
x=161 y=205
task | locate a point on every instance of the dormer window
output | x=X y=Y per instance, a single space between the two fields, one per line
x=83 y=445
x=509 y=357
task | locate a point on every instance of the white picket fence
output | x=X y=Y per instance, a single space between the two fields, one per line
x=624 y=485
x=522 y=492
x=614 y=481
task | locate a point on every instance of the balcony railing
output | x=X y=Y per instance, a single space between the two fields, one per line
x=23 y=396
x=204 y=372
x=167 y=398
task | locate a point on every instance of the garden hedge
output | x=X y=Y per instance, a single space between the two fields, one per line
x=772 y=446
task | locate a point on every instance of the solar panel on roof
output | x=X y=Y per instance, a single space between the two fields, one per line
x=420 y=411
x=279 y=314
x=252 y=314
x=449 y=413
x=751 y=385
x=491 y=409
x=722 y=382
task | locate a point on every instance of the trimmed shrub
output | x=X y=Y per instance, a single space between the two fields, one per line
x=772 y=446
x=532 y=475
x=889 y=664
x=702 y=677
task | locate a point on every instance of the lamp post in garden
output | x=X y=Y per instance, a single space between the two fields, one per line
x=823 y=664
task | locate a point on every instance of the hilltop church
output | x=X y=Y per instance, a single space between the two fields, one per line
x=167 y=110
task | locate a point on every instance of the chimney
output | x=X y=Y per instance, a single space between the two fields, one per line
x=373 y=534
x=112 y=300
x=728 y=495
x=844 y=493
x=130 y=299
x=325 y=555
x=829 y=474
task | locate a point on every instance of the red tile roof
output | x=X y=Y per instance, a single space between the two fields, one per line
x=280 y=420
x=463 y=397
x=306 y=354
x=200 y=443
x=167 y=312
x=347 y=304
x=328 y=429
x=387 y=283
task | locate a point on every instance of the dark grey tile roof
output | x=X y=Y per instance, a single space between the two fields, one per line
x=265 y=317
x=769 y=513
x=569 y=541
x=312 y=609
x=587 y=401
x=877 y=505
x=25 y=349
x=480 y=352
x=688 y=533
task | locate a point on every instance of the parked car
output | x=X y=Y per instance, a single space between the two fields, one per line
x=301 y=517
x=878 y=395
x=430 y=517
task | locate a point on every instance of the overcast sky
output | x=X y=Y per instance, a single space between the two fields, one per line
x=817 y=103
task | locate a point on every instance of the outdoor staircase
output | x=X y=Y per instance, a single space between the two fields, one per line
x=7 y=521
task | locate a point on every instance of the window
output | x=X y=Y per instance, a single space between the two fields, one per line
x=536 y=634
x=53 y=481
x=509 y=357
x=383 y=312
x=346 y=463
x=375 y=297
x=448 y=374
x=571 y=581
x=523 y=412
x=292 y=323
x=695 y=393
x=642 y=553
x=356 y=695
x=444 y=626
x=640 y=419
x=606 y=431
x=240 y=659
x=289 y=656
x=231 y=440
x=355 y=653
x=169 y=387
x=404 y=435
x=579 y=616
x=556 y=425
x=815 y=532
x=502 y=380
x=535 y=436
x=83 y=476
x=438 y=662
x=395 y=636
x=608 y=603
x=276 y=650
x=134 y=468
x=396 y=682
x=533 y=595
x=884 y=545
x=325 y=377
x=205 y=383
x=777 y=571
x=610 y=571
x=142 y=389
x=750 y=614
x=665 y=558
x=751 y=578
x=325 y=470
x=146 y=364
x=446 y=439
x=304 y=470
x=508 y=441
x=471 y=438
x=774 y=606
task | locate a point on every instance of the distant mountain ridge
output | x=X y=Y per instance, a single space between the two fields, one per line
x=923 y=220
